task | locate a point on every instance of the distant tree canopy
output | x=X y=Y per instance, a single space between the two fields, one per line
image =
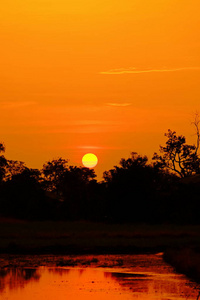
x=177 y=156
x=3 y=162
x=53 y=172
x=134 y=168
x=71 y=185
x=134 y=191
x=14 y=168
x=57 y=175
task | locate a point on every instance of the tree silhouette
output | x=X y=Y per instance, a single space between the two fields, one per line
x=71 y=186
x=177 y=156
x=74 y=189
x=13 y=168
x=132 y=190
x=53 y=171
x=3 y=162
x=22 y=196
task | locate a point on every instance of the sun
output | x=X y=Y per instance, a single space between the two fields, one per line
x=89 y=160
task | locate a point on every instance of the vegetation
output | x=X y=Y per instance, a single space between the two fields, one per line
x=185 y=260
x=138 y=207
x=79 y=237
x=179 y=157
x=164 y=191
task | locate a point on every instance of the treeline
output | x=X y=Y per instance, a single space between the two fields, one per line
x=165 y=190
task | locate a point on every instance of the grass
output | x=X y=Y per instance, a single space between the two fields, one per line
x=185 y=261
x=86 y=237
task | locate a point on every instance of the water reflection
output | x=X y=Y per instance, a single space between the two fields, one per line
x=146 y=278
x=17 y=277
x=157 y=286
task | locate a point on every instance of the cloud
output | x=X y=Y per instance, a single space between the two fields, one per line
x=104 y=147
x=137 y=71
x=15 y=104
x=118 y=104
x=89 y=147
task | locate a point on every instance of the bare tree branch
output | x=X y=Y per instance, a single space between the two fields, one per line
x=196 y=125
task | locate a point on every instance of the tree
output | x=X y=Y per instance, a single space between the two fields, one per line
x=71 y=185
x=177 y=156
x=74 y=187
x=128 y=168
x=22 y=195
x=3 y=162
x=196 y=125
x=133 y=163
x=131 y=190
x=53 y=171
x=13 y=168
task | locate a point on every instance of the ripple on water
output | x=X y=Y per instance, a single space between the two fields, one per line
x=115 y=277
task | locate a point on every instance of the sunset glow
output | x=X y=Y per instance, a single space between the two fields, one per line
x=100 y=150
x=113 y=75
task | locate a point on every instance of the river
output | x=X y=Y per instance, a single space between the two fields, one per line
x=99 y=277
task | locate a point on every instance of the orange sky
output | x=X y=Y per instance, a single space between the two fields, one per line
x=108 y=77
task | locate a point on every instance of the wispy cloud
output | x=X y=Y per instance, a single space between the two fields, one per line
x=118 y=104
x=140 y=71
x=89 y=147
x=15 y=104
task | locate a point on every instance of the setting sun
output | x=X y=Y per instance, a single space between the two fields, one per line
x=100 y=149
x=89 y=160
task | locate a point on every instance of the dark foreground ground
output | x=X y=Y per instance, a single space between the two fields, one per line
x=22 y=237
x=185 y=261
x=180 y=244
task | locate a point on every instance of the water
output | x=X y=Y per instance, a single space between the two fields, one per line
x=127 y=277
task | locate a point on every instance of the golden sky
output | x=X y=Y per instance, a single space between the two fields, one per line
x=108 y=77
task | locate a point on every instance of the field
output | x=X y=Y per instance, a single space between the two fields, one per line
x=23 y=237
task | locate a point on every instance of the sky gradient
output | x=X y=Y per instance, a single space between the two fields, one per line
x=108 y=77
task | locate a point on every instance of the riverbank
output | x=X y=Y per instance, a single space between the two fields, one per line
x=140 y=276
x=23 y=237
x=185 y=261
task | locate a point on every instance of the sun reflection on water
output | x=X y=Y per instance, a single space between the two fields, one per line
x=146 y=278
